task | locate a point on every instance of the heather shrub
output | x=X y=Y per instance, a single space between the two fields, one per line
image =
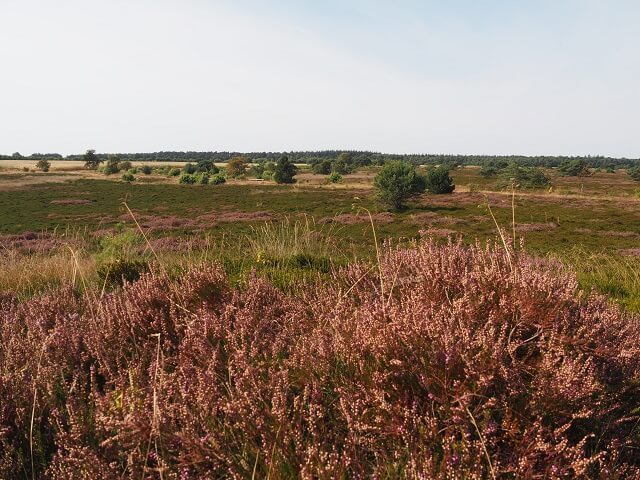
x=441 y=361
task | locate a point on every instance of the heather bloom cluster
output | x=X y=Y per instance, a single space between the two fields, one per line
x=438 y=361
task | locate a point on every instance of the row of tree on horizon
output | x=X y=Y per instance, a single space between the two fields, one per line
x=358 y=157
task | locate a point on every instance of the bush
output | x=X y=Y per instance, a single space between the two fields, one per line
x=634 y=173
x=207 y=166
x=217 y=179
x=237 y=167
x=202 y=178
x=112 y=166
x=43 y=165
x=189 y=169
x=284 y=171
x=187 y=179
x=523 y=177
x=128 y=177
x=116 y=272
x=574 y=168
x=398 y=181
x=126 y=165
x=446 y=362
x=146 y=169
x=174 y=172
x=334 y=177
x=439 y=181
x=322 y=168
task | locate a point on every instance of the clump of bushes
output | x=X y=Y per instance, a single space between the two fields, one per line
x=146 y=169
x=445 y=362
x=523 y=177
x=174 y=172
x=128 y=177
x=574 y=168
x=634 y=173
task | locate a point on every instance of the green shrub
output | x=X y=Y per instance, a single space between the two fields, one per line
x=285 y=171
x=523 y=177
x=116 y=272
x=217 y=179
x=174 y=172
x=146 y=169
x=634 y=173
x=112 y=166
x=334 y=177
x=126 y=165
x=398 y=181
x=322 y=168
x=189 y=168
x=439 y=181
x=203 y=178
x=128 y=177
x=187 y=179
x=574 y=168
x=207 y=166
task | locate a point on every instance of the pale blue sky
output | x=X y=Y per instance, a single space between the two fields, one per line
x=500 y=77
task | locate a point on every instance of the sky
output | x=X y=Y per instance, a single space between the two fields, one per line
x=531 y=77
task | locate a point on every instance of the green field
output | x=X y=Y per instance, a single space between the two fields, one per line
x=593 y=223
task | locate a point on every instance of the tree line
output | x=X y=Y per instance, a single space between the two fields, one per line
x=356 y=157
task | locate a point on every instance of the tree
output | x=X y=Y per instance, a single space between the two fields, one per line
x=634 y=173
x=398 y=181
x=236 y=167
x=91 y=160
x=207 y=166
x=43 y=165
x=439 y=181
x=285 y=171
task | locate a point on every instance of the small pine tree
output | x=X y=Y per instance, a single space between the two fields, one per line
x=285 y=171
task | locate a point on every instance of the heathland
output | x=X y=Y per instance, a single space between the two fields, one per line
x=199 y=320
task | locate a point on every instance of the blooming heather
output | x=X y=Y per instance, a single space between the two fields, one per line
x=443 y=361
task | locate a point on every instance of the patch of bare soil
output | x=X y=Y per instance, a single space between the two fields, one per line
x=631 y=252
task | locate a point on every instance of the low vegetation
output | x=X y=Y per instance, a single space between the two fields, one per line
x=436 y=361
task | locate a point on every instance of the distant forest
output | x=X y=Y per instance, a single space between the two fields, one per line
x=359 y=158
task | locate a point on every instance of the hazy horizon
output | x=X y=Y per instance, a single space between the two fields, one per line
x=550 y=78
